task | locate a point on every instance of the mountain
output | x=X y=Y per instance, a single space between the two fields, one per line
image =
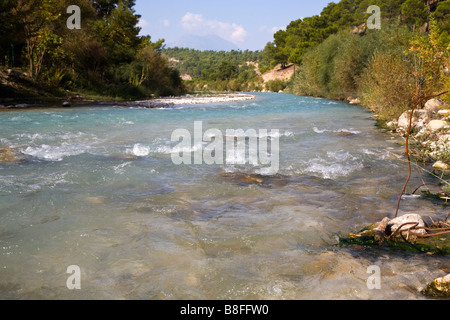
x=202 y=43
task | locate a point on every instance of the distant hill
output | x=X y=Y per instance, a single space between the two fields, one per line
x=203 y=43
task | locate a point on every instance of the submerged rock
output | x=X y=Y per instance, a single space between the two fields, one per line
x=95 y=200
x=344 y=134
x=244 y=179
x=9 y=156
x=439 y=288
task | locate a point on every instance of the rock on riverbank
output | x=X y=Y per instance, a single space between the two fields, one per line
x=430 y=131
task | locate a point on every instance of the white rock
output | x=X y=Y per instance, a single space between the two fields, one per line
x=444 y=113
x=392 y=124
x=412 y=220
x=441 y=166
x=419 y=120
x=432 y=104
x=354 y=101
x=435 y=125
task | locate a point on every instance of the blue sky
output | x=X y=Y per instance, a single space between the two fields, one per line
x=248 y=24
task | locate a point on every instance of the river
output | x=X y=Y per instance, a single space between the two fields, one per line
x=99 y=189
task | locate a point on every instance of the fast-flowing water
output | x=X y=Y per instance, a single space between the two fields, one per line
x=98 y=189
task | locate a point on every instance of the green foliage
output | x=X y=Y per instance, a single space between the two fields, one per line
x=333 y=68
x=386 y=85
x=220 y=71
x=107 y=56
x=389 y=69
x=415 y=12
x=276 y=85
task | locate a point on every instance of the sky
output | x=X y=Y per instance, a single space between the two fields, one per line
x=248 y=24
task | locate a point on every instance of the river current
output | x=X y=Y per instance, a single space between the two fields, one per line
x=98 y=189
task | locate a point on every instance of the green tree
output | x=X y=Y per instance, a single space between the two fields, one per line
x=415 y=12
x=442 y=15
x=36 y=16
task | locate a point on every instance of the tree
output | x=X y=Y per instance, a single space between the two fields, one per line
x=442 y=15
x=35 y=16
x=415 y=12
x=9 y=30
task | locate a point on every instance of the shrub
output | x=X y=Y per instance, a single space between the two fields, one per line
x=387 y=85
x=276 y=85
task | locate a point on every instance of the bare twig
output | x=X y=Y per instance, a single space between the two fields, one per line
x=431 y=184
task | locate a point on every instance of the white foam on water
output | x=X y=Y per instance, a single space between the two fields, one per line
x=335 y=165
x=56 y=153
x=410 y=196
x=178 y=149
x=139 y=150
x=120 y=169
x=332 y=171
x=316 y=130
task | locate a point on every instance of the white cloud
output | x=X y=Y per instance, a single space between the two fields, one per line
x=142 y=23
x=275 y=29
x=166 y=23
x=229 y=31
x=272 y=30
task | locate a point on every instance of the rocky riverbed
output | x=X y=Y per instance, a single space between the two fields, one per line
x=195 y=99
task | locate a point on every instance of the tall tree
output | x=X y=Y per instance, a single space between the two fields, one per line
x=35 y=16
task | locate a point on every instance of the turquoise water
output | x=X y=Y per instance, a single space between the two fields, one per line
x=98 y=189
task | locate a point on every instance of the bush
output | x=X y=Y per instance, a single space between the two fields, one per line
x=387 y=85
x=276 y=85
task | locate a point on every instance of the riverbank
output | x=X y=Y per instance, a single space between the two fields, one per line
x=164 y=102
x=429 y=136
x=18 y=91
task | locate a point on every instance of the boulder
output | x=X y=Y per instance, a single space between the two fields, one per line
x=432 y=104
x=439 y=288
x=419 y=120
x=441 y=166
x=360 y=30
x=435 y=125
x=8 y=156
x=354 y=101
x=444 y=113
x=425 y=28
